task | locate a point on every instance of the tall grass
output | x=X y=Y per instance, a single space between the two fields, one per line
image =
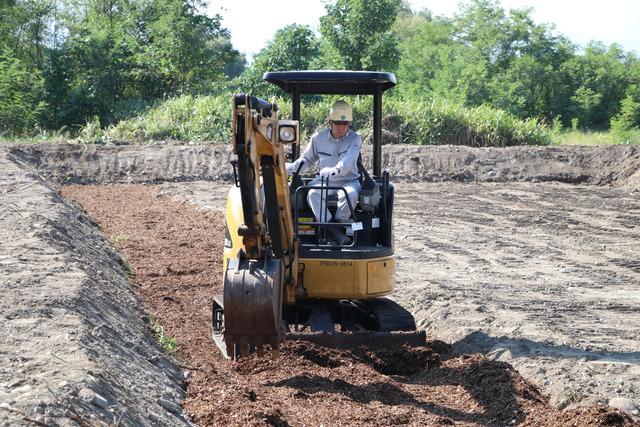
x=444 y=122
x=577 y=137
x=208 y=118
x=186 y=118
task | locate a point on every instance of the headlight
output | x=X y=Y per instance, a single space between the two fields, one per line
x=287 y=133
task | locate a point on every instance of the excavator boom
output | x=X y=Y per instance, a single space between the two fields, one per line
x=249 y=316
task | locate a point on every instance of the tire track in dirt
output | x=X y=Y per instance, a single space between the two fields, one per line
x=548 y=286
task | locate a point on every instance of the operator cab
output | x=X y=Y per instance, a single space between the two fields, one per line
x=371 y=233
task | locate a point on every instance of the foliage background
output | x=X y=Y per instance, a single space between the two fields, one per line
x=159 y=69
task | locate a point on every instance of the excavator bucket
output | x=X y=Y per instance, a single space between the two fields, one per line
x=249 y=316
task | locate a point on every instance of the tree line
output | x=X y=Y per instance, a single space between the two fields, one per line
x=64 y=63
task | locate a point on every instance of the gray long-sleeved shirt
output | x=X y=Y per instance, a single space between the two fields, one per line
x=329 y=152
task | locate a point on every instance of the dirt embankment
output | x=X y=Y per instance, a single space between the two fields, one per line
x=67 y=164
x=76 y=347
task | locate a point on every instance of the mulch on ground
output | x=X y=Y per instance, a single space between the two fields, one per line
x=175 y=254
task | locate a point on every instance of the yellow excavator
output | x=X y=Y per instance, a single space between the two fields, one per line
x=284 y=278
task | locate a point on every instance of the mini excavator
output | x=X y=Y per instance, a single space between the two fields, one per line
x=283 y=277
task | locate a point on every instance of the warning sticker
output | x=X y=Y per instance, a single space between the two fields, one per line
x=375 y=222
x=356 y=226
x=306 y=230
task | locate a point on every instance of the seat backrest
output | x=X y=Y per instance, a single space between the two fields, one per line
x=369 y=197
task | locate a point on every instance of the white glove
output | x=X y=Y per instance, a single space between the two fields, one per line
x=291 y=167
x=325 y=172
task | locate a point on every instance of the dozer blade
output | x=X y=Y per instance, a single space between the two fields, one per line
x=251 y=315
x=370 y=340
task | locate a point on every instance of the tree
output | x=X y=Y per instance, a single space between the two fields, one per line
x=598 y=81
x=293 y=47
x=7 y=23
x=180 y=48
x=629 y=116
x=486 y=55
x=121 y=54
x=360 y=31
x=427 y=49
x=20 y=96
x=483 y=25
x=586 y=103
x=22 y=36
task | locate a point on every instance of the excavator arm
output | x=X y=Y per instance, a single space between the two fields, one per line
x=265 y=272
x=260 y=154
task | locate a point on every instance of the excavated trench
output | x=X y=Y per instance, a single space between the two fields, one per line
x=79 y=315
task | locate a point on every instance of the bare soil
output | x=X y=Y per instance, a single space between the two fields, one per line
x=543 y=276
x=78 y=164
x=528 y=273
x=176 y=257
x=76 y=345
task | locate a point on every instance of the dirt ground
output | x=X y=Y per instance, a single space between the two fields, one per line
x=174 y=250
x=533 y=283
x=543 y=276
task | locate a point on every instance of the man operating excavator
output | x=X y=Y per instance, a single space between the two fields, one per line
x=285 y=274
x=336 y=149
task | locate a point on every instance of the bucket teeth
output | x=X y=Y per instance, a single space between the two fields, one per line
x=244 y=347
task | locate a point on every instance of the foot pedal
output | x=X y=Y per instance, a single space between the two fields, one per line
x=338 y=236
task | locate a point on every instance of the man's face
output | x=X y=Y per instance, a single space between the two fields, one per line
x=339 y=129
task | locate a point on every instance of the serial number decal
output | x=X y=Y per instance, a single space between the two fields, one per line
x=336 y=263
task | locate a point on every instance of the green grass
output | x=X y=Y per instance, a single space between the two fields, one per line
x=53 y=137
x=186 y=118
x=208 y=118
x=444 y=122
x=595 y=138
x=169 y=344
x=120 y=238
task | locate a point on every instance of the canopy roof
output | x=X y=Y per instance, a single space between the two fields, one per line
x=328 y=82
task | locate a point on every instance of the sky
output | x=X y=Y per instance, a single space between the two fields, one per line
x=253 y=23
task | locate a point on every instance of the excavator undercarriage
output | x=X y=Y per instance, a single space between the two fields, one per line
x=343 y=324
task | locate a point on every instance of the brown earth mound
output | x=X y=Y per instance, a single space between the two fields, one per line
x=174 y=252
x=133 y=164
